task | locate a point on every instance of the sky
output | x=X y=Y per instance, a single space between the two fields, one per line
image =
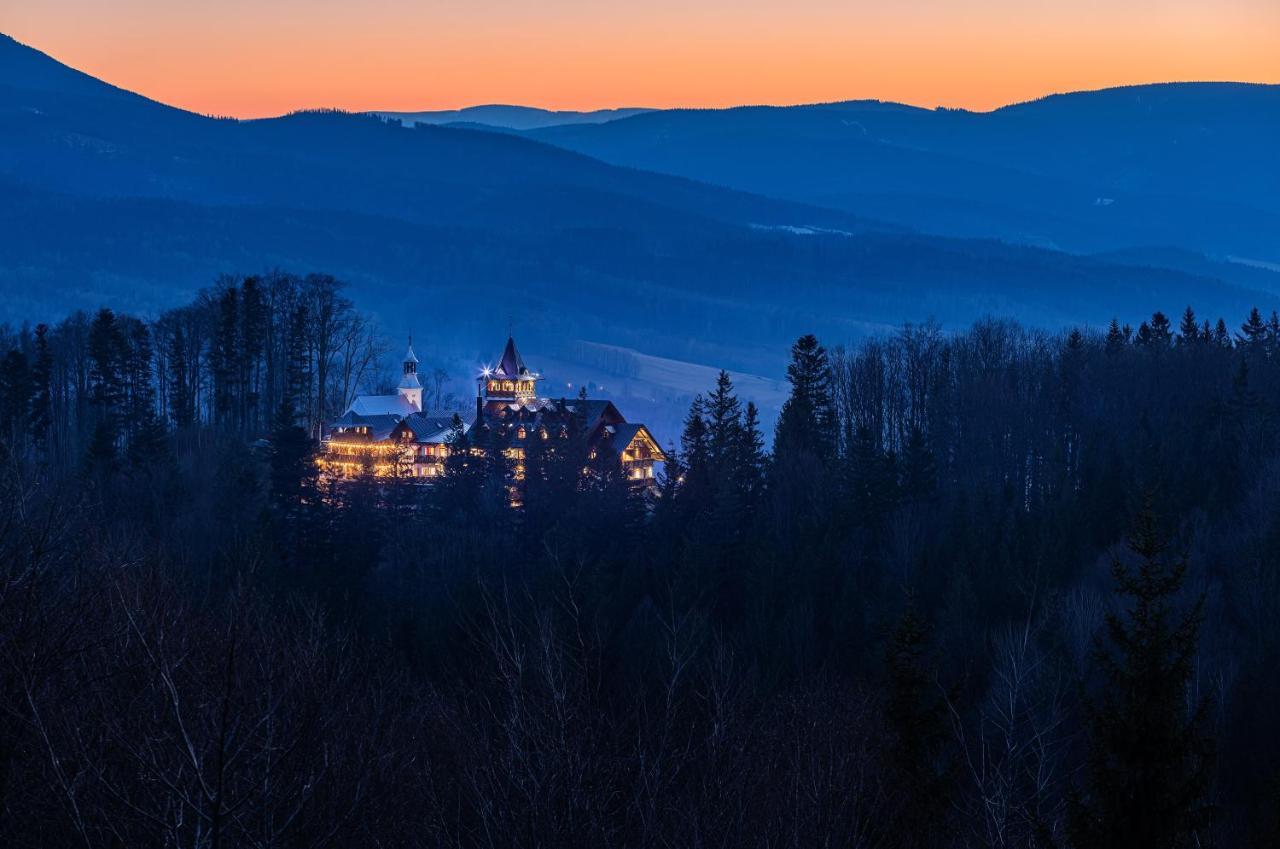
x=252 y=58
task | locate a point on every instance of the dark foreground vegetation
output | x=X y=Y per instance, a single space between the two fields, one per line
x=993 y=589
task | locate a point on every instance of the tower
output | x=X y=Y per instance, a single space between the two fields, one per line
x=510 y=382
x=410 y=388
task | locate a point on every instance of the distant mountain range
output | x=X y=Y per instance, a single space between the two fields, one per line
x=510 y=117
x=108 y=197
x=1193 y=165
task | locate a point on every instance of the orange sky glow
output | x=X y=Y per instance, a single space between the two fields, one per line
x=251 y=59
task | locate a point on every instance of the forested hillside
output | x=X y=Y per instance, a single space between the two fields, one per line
x=995 y=588
x=106 y=196
x=1184 y=164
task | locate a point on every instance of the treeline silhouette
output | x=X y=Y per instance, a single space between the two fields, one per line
x=998 y=588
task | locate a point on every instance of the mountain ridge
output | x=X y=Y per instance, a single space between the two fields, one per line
x=121 y=200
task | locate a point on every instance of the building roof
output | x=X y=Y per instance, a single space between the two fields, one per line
x=409 y=357
x=378 y=405
x=512 y=364
x=379 y=426
x=434 y=428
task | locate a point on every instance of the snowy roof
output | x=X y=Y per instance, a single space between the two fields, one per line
x=377 y=405
x=378 y=427
x=430 y=427
x=409 y=357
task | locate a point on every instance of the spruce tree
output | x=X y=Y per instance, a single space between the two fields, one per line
x=750 y=463
x=42 y=393
x=106 y=380
x=181 y=397
x=1189 y=330
x=918 y=731
x=919 y=481
x=16 y=390
x=1221 y=337
x=1115 y=338
x=226 y=359
x=1161 y=330
x=147 y=439
x=295 y=491
x=723 y=414
x=806 y=424
x=1149 y=755
x=1253 y=333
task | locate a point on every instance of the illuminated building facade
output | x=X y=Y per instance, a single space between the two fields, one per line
x=392 y=435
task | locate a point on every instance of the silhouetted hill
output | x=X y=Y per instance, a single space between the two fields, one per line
x=1191 y=164
x=510 y=117
x=107 y=197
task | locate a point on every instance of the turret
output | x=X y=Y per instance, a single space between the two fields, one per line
x=511 y=380
x=410 y=387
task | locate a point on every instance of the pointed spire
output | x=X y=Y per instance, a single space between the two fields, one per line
x=511 y=364
x=409 y=357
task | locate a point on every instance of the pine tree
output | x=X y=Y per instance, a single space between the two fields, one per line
x=750 y=462
x=917 y=728
x=1145 y=336
x=147 y=439
x=695 y=454
x=252 y=337
x=1189 y=330
x=295 y=491
x=16 y=391
x=42 y=393
x=1161 y=330
x=806 y=424
x=919 y=471
x=723 y=413
x=1253 y=333
x=1221 y=337
x=106 y=380
x=1149 y=755
x=226 y=359
x=1115 y=338
x=181 y=398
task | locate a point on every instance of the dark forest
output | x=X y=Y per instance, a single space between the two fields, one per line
x=991 y=588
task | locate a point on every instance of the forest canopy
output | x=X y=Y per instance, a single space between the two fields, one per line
x=997 y=587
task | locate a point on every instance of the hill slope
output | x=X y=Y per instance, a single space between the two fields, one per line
x=510 y=117
x=107 y=197
x=1188 y=164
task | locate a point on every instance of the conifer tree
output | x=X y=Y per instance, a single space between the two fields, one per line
x=293 y=474
x=1221 y=337
x=1149 y=755
x=917 y=727
x=16 y=391
x=147 y=439
x=1161 y=332
x=252 y=337
x=42 y=392
x=919 y=470
x=226 y=359
x=106 y=379
x=723 y=413
x=750 y=463
x=806 y=424
x=181 y=398
x=1145 y=336
x=695 y=454
x=1189 y=330
x=1253 y=333
x=1115 y=338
